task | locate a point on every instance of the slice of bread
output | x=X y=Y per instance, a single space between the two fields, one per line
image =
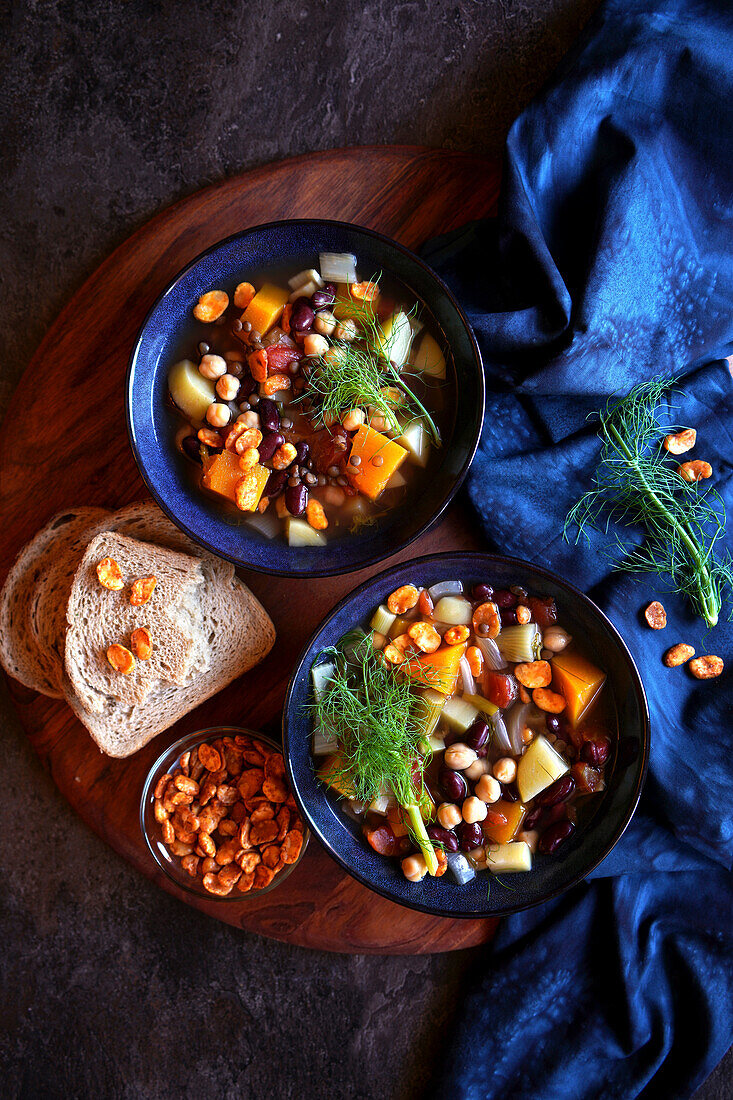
x=98 y=617
x=240 y=634
x=142 y=520
x=22 y=652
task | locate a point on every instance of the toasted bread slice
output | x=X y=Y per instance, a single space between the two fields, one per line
x=240 y=633
x=97 y=617
x=22 y=653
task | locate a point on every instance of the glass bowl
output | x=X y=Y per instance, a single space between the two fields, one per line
x=151 y=830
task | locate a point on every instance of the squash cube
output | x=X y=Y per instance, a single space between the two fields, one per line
x=578 y=681
x=222 y=474
x=367 y=477
x=265 y=308
x=437 y=670
x=513 y=812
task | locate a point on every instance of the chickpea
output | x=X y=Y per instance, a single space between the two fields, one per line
x=218 y=415
x=353 y=419
x=449 y=815
x=227 y=387
x=488 y=789
x=212 y=366
x=378 y=640
x=556 y=639
x=332 y=494
x=314 y=345
x=324 y=323
x=473 y=810
x=458 y=756
x=414 y=868
x=345 y=330
x=378 y=423
x=477 y=769
x=250 y=419
x=505 y=770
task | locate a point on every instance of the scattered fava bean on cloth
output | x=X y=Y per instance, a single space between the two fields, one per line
x=706 y=668
x=678 y=655
x=679 y=443
x=655 y=615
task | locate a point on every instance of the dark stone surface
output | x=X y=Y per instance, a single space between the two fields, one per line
x=109 y=111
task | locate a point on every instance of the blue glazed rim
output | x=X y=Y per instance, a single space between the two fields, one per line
x=579 y=856
x=174 y=497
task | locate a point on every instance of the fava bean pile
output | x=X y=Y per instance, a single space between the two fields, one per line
x=227 y=814
x=508 y=728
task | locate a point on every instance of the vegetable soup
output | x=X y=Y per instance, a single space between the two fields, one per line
x=464 y=729
x=314 y=402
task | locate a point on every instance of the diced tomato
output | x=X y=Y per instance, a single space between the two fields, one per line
x=500 y=688
x=383 y=841
x=280 y=356
x=329 y=447
x=587 y=779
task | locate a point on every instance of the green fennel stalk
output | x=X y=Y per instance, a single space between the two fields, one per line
x=373 y=715
x=636 y=483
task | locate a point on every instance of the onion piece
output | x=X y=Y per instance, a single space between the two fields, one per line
x=445 y=588
x=516 y=718
x=491 y=653
x=459 y=867
x=337 y=267
x=501 y=736
x=467 y=680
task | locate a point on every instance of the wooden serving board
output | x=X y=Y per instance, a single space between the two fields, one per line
x=64 y=443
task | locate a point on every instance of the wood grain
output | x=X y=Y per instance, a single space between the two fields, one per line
x=64 y=443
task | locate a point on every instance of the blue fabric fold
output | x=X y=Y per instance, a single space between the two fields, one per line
x=610 y=262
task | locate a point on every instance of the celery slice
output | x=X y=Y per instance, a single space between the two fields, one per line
x=382 y=619
x=428 y=708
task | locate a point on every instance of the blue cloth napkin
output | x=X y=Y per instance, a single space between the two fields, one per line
x=611 y=261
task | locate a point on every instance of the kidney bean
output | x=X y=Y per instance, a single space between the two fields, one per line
x=533 y=818
x=556 y=835
x=301 y=452
x=269 y=415
x=322 y=298
x=269 y=445
x=296 y=498
x=192 y=448
x=302 y=317
x=544 y=610
x=445 y=837
x=501 y=688
x=483 y=592
x=247 y=385
x=329 y=288
x=477 y=737
x=553 y=723
x=596 y=752
x=275 y=483
x=508 y=616
x=555 y=813
x=470 y=835
x=452 y=784
x=509 y=792
x=505 y=598
x=451 y=737
x=558 y=791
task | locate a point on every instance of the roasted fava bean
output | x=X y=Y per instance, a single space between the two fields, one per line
x=403 y=599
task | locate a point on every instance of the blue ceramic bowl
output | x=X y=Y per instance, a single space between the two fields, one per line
x=151 y=424
x=551 y=874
